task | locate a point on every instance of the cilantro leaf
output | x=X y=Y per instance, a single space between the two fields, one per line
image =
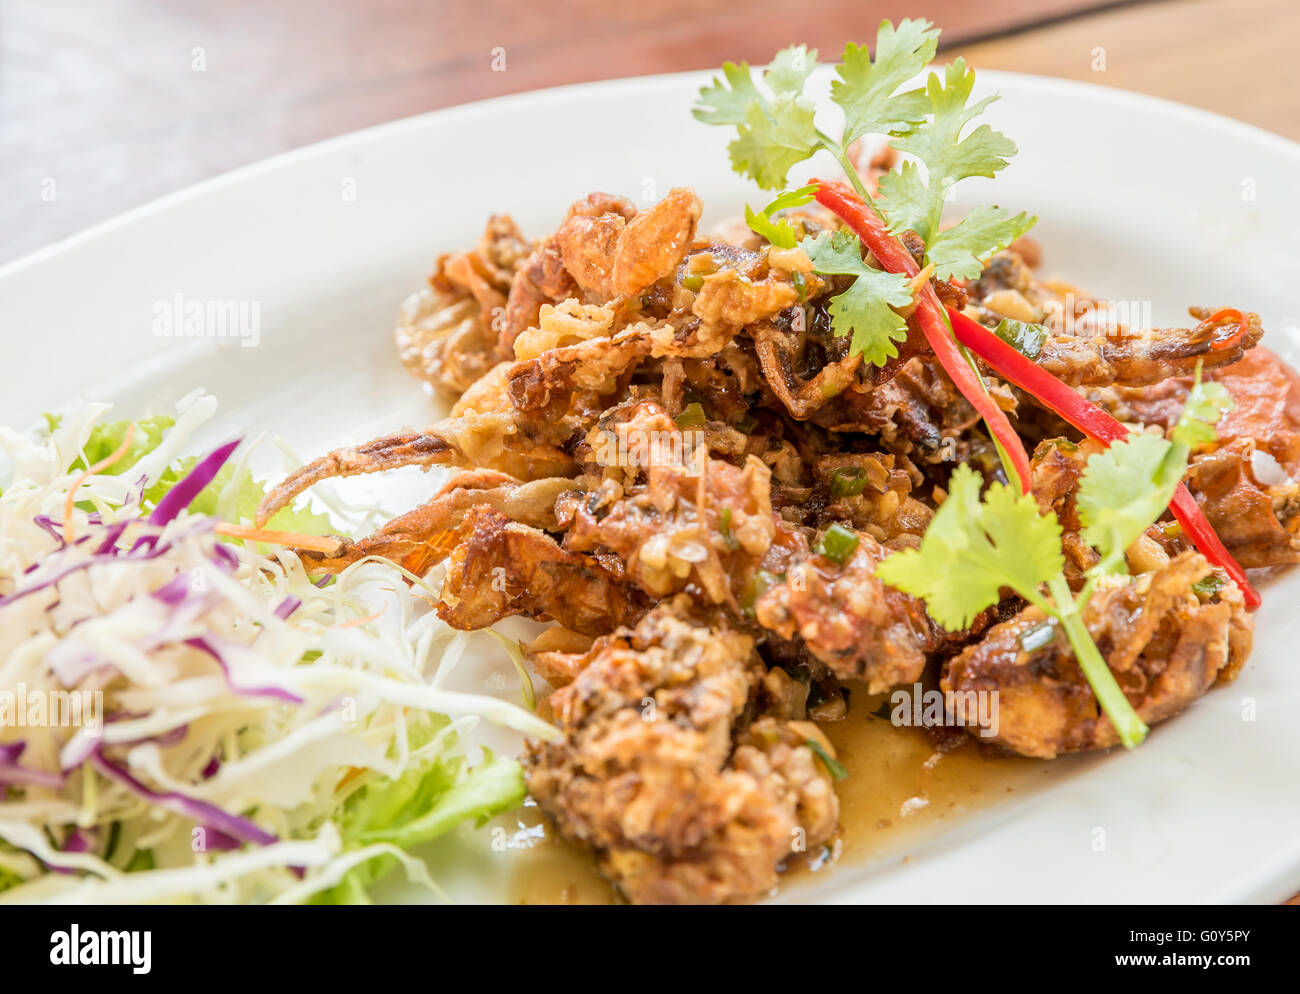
x=867 y=307
x=973 y=549
x=727 y=100
x=904 y=200
x=947 y=155
x=1123 y=490
x=960 y=251
x=1206 y=404
x=772 y=139
x=1126 y=488
x=790 y=69
x=864 y=308
x=780 y=233
x=915 y=201
x=865 y=89
x=774 y=123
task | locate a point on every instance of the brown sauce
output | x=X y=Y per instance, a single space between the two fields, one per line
x=899 y=793
x=549 y=870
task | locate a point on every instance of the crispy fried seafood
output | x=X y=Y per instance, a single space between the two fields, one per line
x=673 y=767
x=660 y=446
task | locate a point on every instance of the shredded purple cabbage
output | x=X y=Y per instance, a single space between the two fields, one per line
x=204 y=644
x=174 y=591
x=224 y=555
x=154 y=552
x=111 y=535
x=81 y=840
x=222 y=824
x=182 y=494
x=12 y=773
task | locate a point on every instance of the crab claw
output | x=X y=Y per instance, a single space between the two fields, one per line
x=411 y=448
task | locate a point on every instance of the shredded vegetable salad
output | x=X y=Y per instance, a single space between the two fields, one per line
x=188 y=718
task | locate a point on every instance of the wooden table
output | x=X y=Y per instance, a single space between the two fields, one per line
x=1235 y=57
x=106 y=104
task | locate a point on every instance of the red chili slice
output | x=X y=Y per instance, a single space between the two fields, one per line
x=1095 y=423
x=894 y=258
x=1218 y=318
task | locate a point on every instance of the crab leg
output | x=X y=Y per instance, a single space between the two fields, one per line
x=425 y=536
x=410 y=448
x=1106 y=358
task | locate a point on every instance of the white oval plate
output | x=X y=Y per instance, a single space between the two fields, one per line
x=1139 y=200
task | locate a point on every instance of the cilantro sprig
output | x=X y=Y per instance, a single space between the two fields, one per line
x=1129 y=485
x=867 y=308
x=775 y=130
x=975 y=547
x=778 y=231
x=912 y=201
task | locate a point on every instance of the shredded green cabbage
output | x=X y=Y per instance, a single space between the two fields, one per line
x=317 y=732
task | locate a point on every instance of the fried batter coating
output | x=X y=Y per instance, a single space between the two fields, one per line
x=500 y=568
x=1248 y=484
x=660 y=771
x=444 y=332
x=420 y=538
x=850 y=620
x=1164 y=643
x=1088 y=347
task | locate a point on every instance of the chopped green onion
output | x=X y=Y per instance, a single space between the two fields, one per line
x=800 y=284
x=1040 y=636
x=693 y=282
x=838 y=543
x=746 y=424
x=692 y=416
x=762 y=582
x=724 y=528
x=836 y=771
x=1207 y=586
x=1025 y=338
x=848 y=481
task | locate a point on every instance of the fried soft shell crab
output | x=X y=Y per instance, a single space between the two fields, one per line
x=663 y=445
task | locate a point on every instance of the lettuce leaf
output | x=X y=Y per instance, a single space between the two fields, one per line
x=421 y=805
x=105 y=438
x=8 y=878
x=248 y=494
